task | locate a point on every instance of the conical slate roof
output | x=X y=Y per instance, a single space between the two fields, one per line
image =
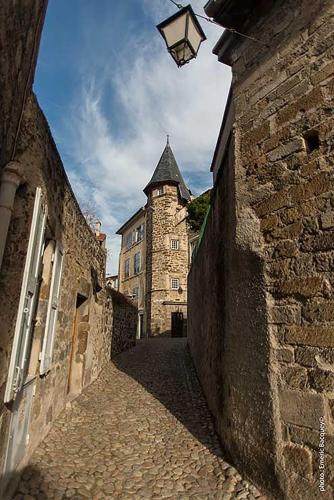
x=168 y=170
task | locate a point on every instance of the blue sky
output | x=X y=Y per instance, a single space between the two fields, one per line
x=111 y=93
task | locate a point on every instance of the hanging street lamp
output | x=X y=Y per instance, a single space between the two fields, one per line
x=183 y=35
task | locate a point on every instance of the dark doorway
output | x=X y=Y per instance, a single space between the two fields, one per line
x=141 y=326
x=177 y=324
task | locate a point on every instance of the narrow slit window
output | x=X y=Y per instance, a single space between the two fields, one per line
x=174 y=244
x=312 y=141
x=175 y=283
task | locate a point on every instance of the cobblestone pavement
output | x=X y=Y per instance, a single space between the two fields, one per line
x=142 y=430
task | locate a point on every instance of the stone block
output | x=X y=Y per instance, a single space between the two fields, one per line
x=300 y=488
x=298 y=460
x=285 y=354
x=319 y=311
x=295 y=377
x=257 y=134
x=285 y=315
x=327 y=220
x=331 y=407
x=304 y=287
x=309 y=101
x=286 y=149
x=301 y=408
x=84 y=287
x=278 y=269
x=305 y=356
x=322 y=183
x=324 y=261
x=302 y=264
x=317 y=336
x=303 y=436
x=323 y=73
x=295 y=162
x=310 y=225
x=82 y=341
x=290 y=215
x=320 y=242
x=285 y=249
x=275 y=202
x=309 y=168
x=289 y=232
x=269 y=223
x=321 y=380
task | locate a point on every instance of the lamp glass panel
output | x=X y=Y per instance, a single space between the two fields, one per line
x=175 y=31
x=194 y=37
x=182 y=52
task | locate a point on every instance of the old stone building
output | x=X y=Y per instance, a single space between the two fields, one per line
x=261 y=322
x=154 y=257
x=54 y=337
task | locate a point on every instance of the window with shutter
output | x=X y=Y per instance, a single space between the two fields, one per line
x=52 y=311
x=28 y=300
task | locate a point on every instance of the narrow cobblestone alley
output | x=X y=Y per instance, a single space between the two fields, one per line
x=142 y=430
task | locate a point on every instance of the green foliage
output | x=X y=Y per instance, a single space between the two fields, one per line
x=197 y=209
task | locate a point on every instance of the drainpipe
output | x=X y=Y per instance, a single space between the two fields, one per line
x=11 y=178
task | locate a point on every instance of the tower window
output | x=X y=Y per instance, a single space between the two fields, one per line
x=175 y=283
x=174 y=244
x=160 y=190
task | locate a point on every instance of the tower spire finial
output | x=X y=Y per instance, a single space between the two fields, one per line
x=168 y=139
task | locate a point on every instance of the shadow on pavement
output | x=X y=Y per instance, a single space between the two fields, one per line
x=163 y=366
x=12 y=483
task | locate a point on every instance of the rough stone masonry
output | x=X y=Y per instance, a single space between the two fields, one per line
x=261 y=315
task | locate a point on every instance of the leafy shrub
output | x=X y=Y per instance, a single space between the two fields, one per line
x=197 y=209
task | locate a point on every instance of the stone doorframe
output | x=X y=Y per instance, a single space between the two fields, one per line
x=79 y=342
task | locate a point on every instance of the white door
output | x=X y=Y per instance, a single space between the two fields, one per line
x=19 y=390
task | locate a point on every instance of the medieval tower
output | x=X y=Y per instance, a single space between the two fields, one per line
x=159 y=284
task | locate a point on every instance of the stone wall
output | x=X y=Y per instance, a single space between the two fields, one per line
x=121 y=322
x=227 y=335
x=18 y=60
x=271 y=345
x=166 y=220
x=82 y=345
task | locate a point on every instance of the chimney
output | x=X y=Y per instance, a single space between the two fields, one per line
x=97 y=228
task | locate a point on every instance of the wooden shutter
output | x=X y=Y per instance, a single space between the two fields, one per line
x=52 y=312
x=28 y=300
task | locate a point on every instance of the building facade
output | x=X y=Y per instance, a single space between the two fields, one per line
x=261 y=322
x=132 y=264
x=112 y=281
x=155 y=253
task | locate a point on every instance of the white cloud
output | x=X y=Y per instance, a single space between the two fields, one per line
x=153 y=98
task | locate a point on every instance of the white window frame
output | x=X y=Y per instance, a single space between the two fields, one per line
x=19 y=360
x=52 y=311
x=175 y=244
x=174 y=281
x=160 y=190
x=140 y=233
